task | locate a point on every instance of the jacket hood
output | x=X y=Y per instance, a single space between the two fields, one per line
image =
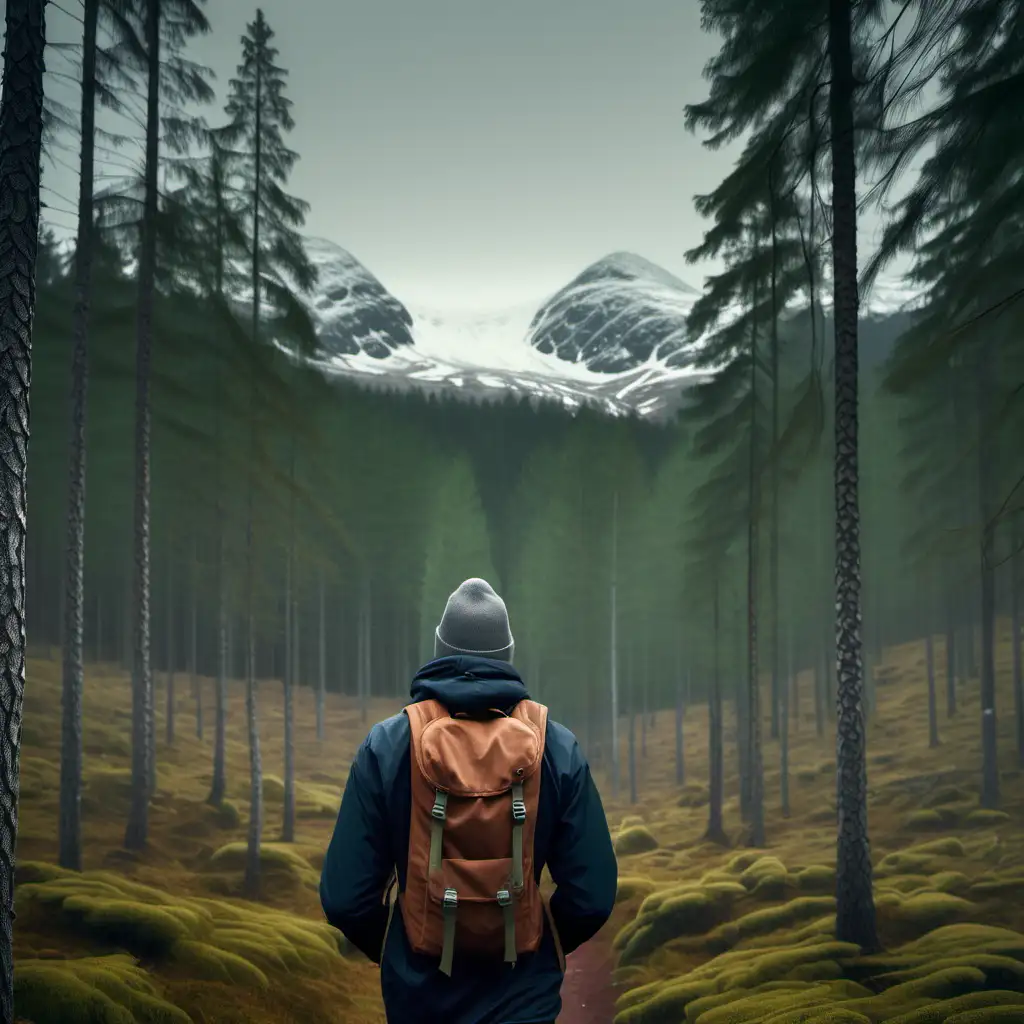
x=463 y=682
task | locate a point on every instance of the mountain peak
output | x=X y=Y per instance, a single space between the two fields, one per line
x=631 y=266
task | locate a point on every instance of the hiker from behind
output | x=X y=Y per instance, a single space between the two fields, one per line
x=462 y=799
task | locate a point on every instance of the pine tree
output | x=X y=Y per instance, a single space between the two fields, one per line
x=170 y=21
x=70 y=828
x=21 y=130
x=259 y=163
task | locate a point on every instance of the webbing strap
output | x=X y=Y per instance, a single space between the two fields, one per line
x=449 y=908
x=508 y=912
x=438 y=814
x=518 y=820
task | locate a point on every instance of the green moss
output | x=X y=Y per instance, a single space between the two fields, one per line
x=691 y=913
x=769 y=920
x=924 y=820
x=948 y=846
x=983 y=817
x=692 y=796
x=207 y=963
x=226 y=815
x=817 y=878
x=954 y=882
x=763 y=867
x=660 y=1003
x=45 y=994
x=137 y=927
x=630 y=821
x=632 y=886
x=636 y=839
x=939 y=1013
x=904 y=862
x=91 y=990
x=739 y=863
x=1012 y=884
x=988 y=1015
x=38 y=871
x=904 y=883
x=929 y=910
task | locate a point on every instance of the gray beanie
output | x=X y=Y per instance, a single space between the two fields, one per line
x=475 y=621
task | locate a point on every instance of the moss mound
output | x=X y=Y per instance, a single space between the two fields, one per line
x=633 y=886
x=93 y=990
x=633 y=840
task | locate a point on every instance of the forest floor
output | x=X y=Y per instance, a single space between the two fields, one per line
x=166 y=936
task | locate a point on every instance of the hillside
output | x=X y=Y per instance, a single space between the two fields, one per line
x=697 y=927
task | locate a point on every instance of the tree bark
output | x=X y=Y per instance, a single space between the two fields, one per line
x=929 y=658
x=855 y=906
x=70 y=823
x=321 y=685
x=143 y=726
x=251 y=882
x=716 y=769
x=755 y=771
x=193 y=650
x=1015 y=655
x=218 y=786
x=171 y=653
x=950 y=659
x=631 y=738
x=990 y=796
x=21 y=122
x=784 y=726
x=613 y=657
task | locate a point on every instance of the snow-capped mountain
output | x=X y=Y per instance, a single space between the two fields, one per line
x=621 y=312
x=612 y=338
x=355 y=314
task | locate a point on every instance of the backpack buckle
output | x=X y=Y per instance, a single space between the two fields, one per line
x=450 y=900
x=440 y=809
x=519 y=810
x=504 y=898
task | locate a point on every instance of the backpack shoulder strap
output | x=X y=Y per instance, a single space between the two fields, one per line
x=420 y=715
x=535 y=715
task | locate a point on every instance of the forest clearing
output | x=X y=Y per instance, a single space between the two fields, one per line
x=697 y=929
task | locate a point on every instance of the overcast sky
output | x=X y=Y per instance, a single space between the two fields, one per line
x=477 y=152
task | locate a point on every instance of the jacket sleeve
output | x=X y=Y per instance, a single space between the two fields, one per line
x=359 y=861
x=581 y=861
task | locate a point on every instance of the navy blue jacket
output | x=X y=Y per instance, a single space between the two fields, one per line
x=371 y=839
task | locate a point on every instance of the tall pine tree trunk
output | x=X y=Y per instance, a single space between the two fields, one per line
x=929 y=659
x=365 y=648
x=631 y=739
x=251 y=881
x=950 y=658
x=986 y=477
x=21 y=125
x=288 y=676
x=218 y=787
x=171 y=652
x=754 y=761
x=1015 y=654
x=321 y=682
x=855 y=906
x=613 y=654
x=70 y=821
x=773 y=554
x=716 y=768
x=680 y=716
x=193 y=654
x=143 y=725
x=784 y=724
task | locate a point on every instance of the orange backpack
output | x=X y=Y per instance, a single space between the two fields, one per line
x=470 y=883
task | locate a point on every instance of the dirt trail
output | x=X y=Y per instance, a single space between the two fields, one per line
x=588 y=995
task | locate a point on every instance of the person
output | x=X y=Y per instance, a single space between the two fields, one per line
x=469 y=689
